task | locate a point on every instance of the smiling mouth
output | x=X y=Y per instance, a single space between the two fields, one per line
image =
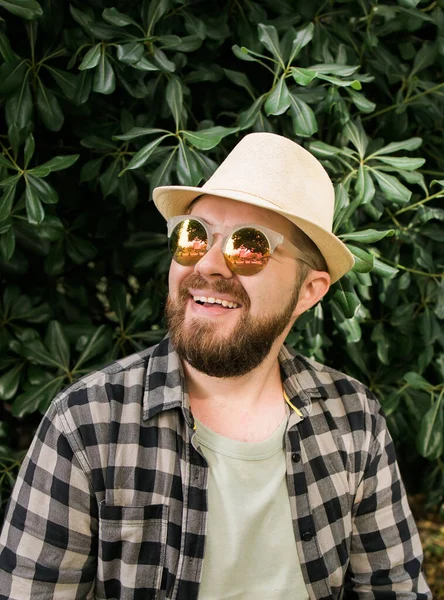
x=212 y=301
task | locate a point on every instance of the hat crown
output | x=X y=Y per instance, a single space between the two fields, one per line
x=281 y=172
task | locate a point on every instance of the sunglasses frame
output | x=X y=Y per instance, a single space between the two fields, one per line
x=274 y=238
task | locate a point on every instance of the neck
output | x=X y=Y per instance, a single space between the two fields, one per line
x=248 y=408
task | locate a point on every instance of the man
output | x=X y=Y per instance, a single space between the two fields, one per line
x=219 y=464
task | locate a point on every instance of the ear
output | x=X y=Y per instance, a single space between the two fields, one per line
x=313 y=289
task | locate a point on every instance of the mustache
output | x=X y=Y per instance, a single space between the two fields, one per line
x=222 y=286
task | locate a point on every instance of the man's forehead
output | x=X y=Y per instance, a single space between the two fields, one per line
x=217 y=210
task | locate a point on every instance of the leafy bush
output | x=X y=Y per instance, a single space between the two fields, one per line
x=104 y=101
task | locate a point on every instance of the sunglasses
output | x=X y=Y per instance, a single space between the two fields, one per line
x=246 y=248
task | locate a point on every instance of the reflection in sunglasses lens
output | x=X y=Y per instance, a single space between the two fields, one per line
x=247 y=251
x=188 y=242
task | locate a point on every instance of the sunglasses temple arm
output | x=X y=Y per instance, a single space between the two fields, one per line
x=296 y=253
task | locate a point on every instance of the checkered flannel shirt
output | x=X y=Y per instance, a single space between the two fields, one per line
x=111 y=500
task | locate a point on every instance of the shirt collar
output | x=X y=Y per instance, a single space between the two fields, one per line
x=165 y=385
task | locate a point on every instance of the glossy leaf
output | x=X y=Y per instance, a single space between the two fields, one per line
x=104 y=77
x=402 y=162
x=205 y=139
x=18 y=107
x=26 y=9
x=57 y=343
x=188 y=168
x=367 y=236
x=364 y=261
x=364 y=185
x=278 y=101
x=346 y=297
x=117 y=18
x=411 y=144
x=57 y=163
x=91 y=58
x=29 y=149
x=144 y=154
x=269 y=38
x=9 y=381
x=303 y=76
x=304 y=120
x=34 y=208
x=48 y=108
x=174 y=98
x=98 y=343
x=130 y=53
x=430 y=440
x=35 y=397
x=45 y=192
x=391 y=187
x=303 y=37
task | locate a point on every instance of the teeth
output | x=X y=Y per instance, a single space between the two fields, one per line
x=211 y=300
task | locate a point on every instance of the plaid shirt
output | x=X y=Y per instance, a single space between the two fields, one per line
x=111 y=500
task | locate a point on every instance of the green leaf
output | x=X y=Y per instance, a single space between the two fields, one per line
x=174 y=98
x=430 y=438
x=143 y=155
x=130 y=53
x=35 y=351
x=34 y=208
x=48 y=108
x=391 y=187
x=79 y=250
x=12 y=74
x=411 y=144
x=367 y=236
x=29 y=149
x=115 y=17
x=188 y=168
x=384 y=270
x=67 y=82
x=45 y=192
x=9 y=382
x=269 y=38
x=304 y=120
x=356 y=134
x=360 y=101
x=364 y=185
x=303 y=37
x=402 y=162
x=248 y=117
x=98 y=343
x=84 y=87
x=104 y=77
x=322 y=150
x=136 y=132
x=363 y=260
x=57 y=163
x=205 y=139
x=37 y=397
x=91 y=58
x=57 y=343
x=278 y=101
x=303 y=76
x=163 y=62
x=117 y=300
x=26 y=9
x=145 y=65
x=7 y=244
x=239 y=79
x=334 y=69
x=14 y=138
x=152 y=12
x=18 y=106
x=346 y=297
x=7 y=201
x=243 y=53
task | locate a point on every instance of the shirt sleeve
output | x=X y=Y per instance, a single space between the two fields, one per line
x=386 y=553
x=48 y=544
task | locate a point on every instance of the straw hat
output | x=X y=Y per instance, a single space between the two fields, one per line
x=272 y=172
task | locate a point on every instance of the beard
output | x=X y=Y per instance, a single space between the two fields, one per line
x=214 y=353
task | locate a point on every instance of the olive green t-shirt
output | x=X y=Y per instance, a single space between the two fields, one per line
x=250 y=550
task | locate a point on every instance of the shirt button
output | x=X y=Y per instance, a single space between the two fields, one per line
x=306 y=536
x=295 y=457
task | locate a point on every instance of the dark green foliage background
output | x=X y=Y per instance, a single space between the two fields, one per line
x=102 y=101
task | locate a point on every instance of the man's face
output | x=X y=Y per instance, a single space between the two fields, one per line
x=229 y=341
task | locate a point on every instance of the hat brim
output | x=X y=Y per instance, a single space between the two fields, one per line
x=175 y=200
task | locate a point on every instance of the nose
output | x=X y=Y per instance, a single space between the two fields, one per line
x=212 y=264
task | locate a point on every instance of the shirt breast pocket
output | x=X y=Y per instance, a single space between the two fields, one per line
x=132 y=547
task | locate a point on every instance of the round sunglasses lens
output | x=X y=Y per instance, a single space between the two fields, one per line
x=247 y=251
x=188 y=242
